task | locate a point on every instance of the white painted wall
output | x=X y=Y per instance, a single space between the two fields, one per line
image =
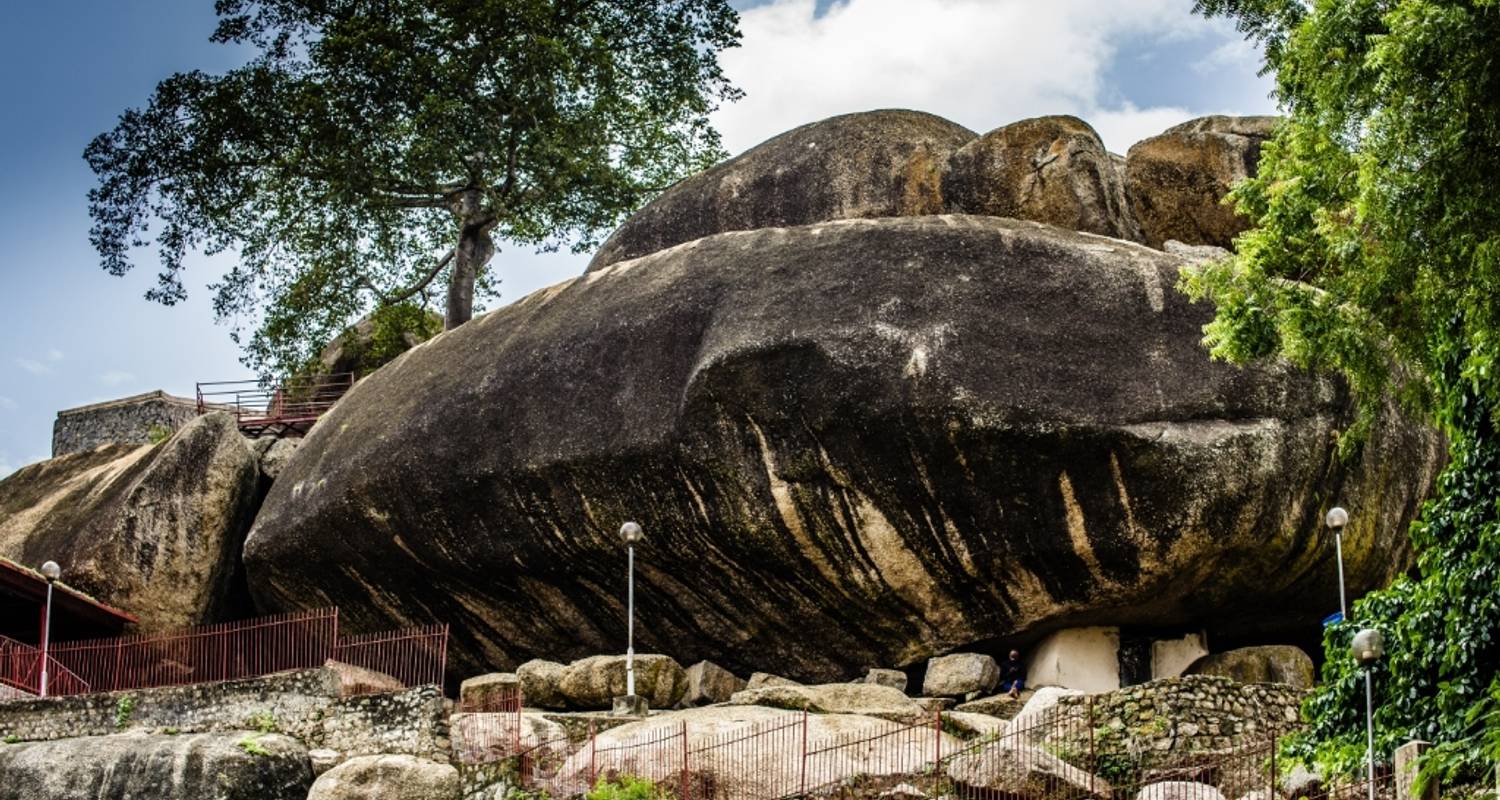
x=1087 y=659
x=1169 y=657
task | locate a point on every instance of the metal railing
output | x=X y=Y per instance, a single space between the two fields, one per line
x=1065 y=753
x=230 y=651
x=261 y=407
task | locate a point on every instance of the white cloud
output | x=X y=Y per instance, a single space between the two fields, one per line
x=6 y=403
x=981 y=63
x=116 y=377
x=33 y=366
x=54 y=355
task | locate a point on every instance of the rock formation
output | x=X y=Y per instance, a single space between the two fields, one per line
x=1265 y=664
x=154 y=530
x=1177 y=180
x=861 y=442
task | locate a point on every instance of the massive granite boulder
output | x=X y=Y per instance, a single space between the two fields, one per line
x=224 y=766
x=872 y=164
x=1176 y=181
x=1047 y=169
x=853 y=443
x=154 y=530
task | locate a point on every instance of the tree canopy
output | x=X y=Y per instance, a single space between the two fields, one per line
x=372 y=152
x=1376 y=253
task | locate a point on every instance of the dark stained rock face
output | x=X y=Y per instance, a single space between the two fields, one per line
x=1177 y=180
x=872 y=164
x=853 y=443
x=1048 y=169
x=154 y=530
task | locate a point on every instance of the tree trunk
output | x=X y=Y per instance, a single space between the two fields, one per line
x=475 y=248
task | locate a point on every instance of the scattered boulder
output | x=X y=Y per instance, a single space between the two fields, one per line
x=387 y=777
x=1178 y=790
x=1177 y=180
x=1048 y=169
x=1022 y=366
x=894 y=678
x=154 y=530
x=960 y=674
x=354 y=680
x=594 y=682
x=872 y=164
x=998 y=705
x=760 y=680
x=833 y=698
x=323 y=759
x=1022 y=770
x=488 y=736
x=495 y=691
x=933 y=705
x=1038 y=711
x=375 y=340
x=541 y=683
x=1283 y=663
x=708 y=682
x=275 y=455
x=970 y=725
x=162 y=767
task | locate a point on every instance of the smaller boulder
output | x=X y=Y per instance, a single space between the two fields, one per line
x=275 y=455
x=387 y=777
x=959 y=674
x=355 y=680
x=1038 y=711
x=1014 y=769
x=760 y=680
x=540 y=681
x=495 y=691
x=894 y=678
x=708 y=682
x=932 y=705
x=1286 y=664
x=969 y=725
x=1178 y=790
x=833 y=698
x=594 y=682
x=998 y=705
x=323 y=759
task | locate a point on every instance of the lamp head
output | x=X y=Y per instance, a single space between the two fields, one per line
x=631 y=533
x=51 y=571
x=1369 y=647
x=1337 y=518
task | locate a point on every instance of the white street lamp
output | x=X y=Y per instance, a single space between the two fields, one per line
x=630 y=533
x=51 y=571
x=1337 y=518
x=1369 y=648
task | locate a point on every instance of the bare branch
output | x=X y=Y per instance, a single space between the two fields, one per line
x=404 y=294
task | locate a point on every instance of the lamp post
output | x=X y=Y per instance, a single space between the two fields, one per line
x=51 y=571
x=1369 y=648
x=631 y=533
x=1337 y=518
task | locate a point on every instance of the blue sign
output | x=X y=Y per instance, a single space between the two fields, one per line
x=1333 y=619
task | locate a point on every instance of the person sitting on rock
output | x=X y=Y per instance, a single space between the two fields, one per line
x=1013 y=675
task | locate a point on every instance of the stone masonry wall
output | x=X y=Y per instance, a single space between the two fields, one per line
x=303 y=704
x=130 y=420
x=1194 y=713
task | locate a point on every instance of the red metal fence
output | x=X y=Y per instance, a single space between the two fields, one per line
x=261 y=407
x=229 y=651
x=1065 y=753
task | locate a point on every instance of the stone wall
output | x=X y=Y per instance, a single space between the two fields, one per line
x=139 y=419
x=1195 y=713
x=306 y=705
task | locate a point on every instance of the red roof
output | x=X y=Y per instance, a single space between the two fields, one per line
x=19 y=583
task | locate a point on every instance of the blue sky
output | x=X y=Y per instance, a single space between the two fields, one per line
x=75 y=335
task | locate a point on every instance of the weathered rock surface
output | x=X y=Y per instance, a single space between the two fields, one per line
x=863 y=442
x=387 y=777
x=1038 y=710
x=160 y=767
x=273 y=460
x=154 y=530
x=487 y=737
x=873 y=164
x=1048 y=169
x=832 y=698
x=960 y=674
x=540 y=683
x=708 y=682
x=494 y=691
x=1178 y=790
x=999 y=705
x=760 y=680
x=1287 y=664
x=594 y=682
x=1022 y=770
x=894 y=678
x=1177 y=180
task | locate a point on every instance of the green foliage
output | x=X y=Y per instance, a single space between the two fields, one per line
x=251 y=744
x=11 y=738
x=156 y=434
x=262 y=721
x=124 y=709
x=1376 y=253
x=625 y=787
x=372 y=151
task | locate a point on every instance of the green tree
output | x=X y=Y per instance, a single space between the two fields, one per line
x=1376 y=253
x=372 y=152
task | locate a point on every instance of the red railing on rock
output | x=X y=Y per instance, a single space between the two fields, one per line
x=230 y=651
x=288 y=408
x=21 y=673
